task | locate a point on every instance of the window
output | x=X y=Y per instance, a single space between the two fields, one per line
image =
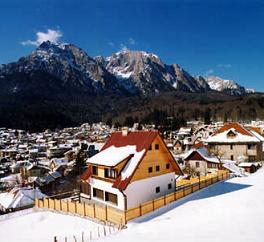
x=197 y=164
x=150 y=147
x=150 y=169
x=231 y=147
x=156 y=146
x=169 y=186
x=110 y=197
x=95 y=170
x=157 y=189
x=157 y=168
x=98 y=193
x=168 y=166
x=251 y=147
x=231 y=157
x=251 y=158
x=110 y=173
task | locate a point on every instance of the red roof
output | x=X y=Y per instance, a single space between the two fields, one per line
x=142 y=139
x=198 y=145
x=236 y=126
x=87 y=173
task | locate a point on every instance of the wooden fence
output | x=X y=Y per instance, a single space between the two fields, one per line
x=181 y=192
x=109 y=214
x=97 y=211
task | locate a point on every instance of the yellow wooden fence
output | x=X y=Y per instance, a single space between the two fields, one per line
x=112 y=215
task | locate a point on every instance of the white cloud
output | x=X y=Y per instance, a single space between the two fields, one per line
x=51 y=35
x=111 y=43
x=209 y=72
x=226 y=66
x=123 y=47
x=131 y=41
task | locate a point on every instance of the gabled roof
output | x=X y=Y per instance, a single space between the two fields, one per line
x=141 y=139
x=131 y=147
x=241 y=134
x=234 y=126
x=201 y=154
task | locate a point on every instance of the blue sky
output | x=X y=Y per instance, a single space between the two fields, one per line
x=223 y=38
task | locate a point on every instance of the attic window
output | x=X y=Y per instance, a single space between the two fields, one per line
x=231 y=134
x=157 y=189
x=150 y=147
x=168 y=166
x=156 y=146
x=150 y=169
x=95 y=170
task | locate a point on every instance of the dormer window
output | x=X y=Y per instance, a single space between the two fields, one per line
x=231 y=134
x=110 y=173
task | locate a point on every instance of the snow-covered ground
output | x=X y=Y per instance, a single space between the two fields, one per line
x=41 y=226
x=229 y=211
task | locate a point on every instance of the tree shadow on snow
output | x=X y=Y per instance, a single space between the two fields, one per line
x=211 y=191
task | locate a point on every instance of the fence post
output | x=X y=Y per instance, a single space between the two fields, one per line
x=125 y=217
x=60 y=205
x=106 y=213
x=94 y=210
x=84 y=210
x=175 y=196
x=140 y=209
x=183 y=192
x=67 y=206
x=153 y=205
x=192 y=188
x=164 y=200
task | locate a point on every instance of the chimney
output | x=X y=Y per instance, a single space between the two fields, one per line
x=124 y=131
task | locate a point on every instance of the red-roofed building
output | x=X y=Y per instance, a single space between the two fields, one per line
x=235 y=142
x=130 y=169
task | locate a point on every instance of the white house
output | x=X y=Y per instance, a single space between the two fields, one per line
x=131 y=168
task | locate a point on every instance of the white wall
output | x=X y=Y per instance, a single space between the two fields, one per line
x=107 y=186
x=145 y=190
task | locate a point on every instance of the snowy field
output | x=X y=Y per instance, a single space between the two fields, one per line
x=42 y=226
x=229 y=211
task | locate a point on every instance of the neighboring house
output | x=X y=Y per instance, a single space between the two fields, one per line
x=248 y=167
x=178 y=147
x=233 y=141
x=19 y=197
x=130 y=169
x=201 y=161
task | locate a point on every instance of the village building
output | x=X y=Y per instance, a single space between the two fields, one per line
x=233 y=141
x=130 y=169
x=202 y=162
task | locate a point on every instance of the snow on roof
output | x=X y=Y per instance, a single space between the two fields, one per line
x=231 y=166
x=205 y=154
x=112 y=155
x=132 y=164
x=241 y=134
x=238 y=138
x=246 y=164
x=19 y=197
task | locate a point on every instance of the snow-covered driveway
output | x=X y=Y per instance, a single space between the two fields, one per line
x=229 y=211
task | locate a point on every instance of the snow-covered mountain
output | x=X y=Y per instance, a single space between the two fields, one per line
x=221 y=85
x=57 y=67
x=139 y=71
